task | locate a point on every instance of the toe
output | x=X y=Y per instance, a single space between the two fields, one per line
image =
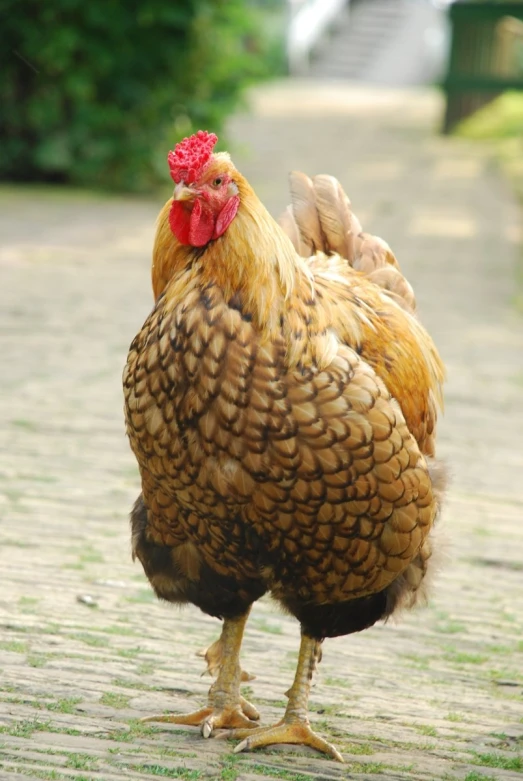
x=229 y=718
x=295 y=734
x=191 y=719
x=249 y=710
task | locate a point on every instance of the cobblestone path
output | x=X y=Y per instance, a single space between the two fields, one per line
x=85 y=649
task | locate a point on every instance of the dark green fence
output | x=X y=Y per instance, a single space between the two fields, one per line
x=486 y=55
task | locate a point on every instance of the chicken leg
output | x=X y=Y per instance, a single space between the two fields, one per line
x=226 y=707
x=214 y=655
x=294 y=727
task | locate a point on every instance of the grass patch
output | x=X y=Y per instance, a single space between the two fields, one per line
x=458 y=657
x=452 y=716
x=324 y=710
x=136 y=729
x=277 y=772
x=229 y=774
x=418 y=661
x=271 y=703
x=451 y=628
x=37 y=660
x=24 y=423
x=330 y=680
x=374 y=767
x=145 y=595
x=504 y=673
x=229 y=771
x=124 y=631
x=359 y=748
x=425 y=729
x=124 y=683
x=28 y=604
x=81 y=762
x=115 y=700
x=55 y=775
x=500 y=761
x=266 y=626
x=93 y=640
x=24 y=728
x=15 y=646
x=12 y=543
x=90 y=556
x=182 y=773
x=147 y=668
x=64 y=705
x=130 y=653
x=500 y=649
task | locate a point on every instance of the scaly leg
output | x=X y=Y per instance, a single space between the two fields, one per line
x=294 y=727
x=213 y=655
x=226 y=706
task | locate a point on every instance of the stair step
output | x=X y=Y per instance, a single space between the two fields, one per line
x=350 y=48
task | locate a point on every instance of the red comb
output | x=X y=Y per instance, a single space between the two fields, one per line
x=190 y=156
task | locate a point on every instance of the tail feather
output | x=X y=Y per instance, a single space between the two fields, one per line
x=306 y=215
x=334 y=213
x=290 y=226
x=371 y=253
x=393 y=281
x=320 y=219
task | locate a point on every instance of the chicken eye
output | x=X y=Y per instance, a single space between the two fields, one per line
x=218 y=181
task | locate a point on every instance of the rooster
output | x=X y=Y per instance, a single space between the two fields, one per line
x=281 y=402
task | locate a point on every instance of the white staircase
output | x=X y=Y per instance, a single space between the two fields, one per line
x=395 y=42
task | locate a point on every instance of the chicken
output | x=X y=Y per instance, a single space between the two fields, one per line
x=281 y=402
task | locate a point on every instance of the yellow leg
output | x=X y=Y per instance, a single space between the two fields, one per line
x=213 y=655
x=294 y=727
x=226 y=707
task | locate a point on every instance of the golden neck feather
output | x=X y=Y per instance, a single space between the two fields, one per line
x=254 y=258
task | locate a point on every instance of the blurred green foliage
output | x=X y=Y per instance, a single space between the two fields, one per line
x=500 y=123
x=95 y=93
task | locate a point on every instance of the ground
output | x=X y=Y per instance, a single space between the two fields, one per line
x=86 y=650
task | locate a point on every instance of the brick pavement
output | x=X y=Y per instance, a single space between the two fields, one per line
x=85 y=650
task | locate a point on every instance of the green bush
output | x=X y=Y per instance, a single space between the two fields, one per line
x=94 y=92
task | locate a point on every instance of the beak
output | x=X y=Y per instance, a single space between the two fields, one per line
x=183 y=193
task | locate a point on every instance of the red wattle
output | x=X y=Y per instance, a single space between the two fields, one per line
x=226 y=216
x=179 y=219
x=198 y=226
x=201 y=225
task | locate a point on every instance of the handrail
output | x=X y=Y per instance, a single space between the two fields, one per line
x=486 y=55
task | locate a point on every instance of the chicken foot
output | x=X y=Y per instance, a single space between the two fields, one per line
x=294 y=728
x=213 y=655
x=226 y=707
